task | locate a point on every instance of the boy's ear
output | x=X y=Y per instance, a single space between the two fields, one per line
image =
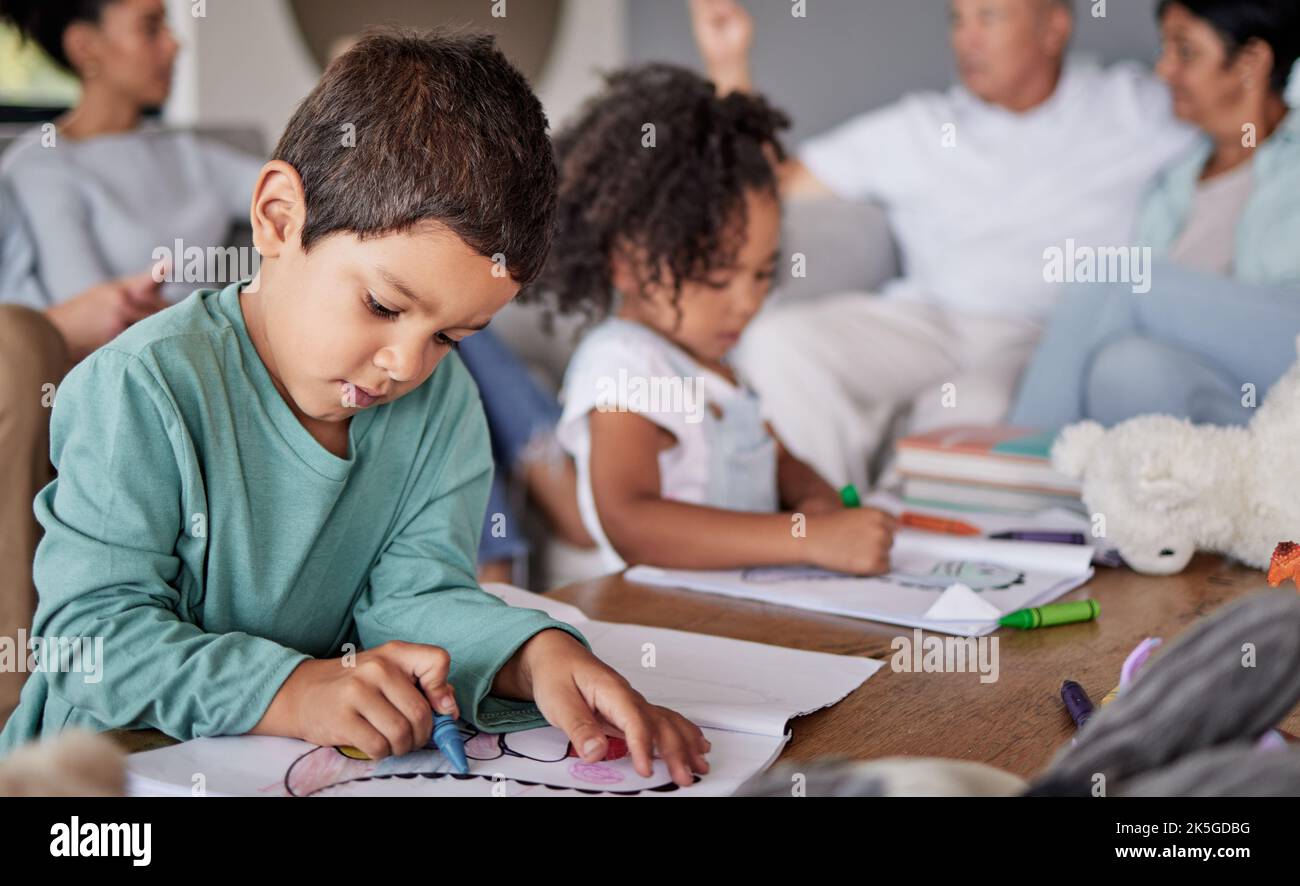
x=279 y=211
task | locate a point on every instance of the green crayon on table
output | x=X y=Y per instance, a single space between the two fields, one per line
x=1051 y=614
x=849 y=496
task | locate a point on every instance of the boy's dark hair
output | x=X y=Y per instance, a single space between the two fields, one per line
x=446 y=130
x=1275 y=22
x=671 y=198
x=44 y=21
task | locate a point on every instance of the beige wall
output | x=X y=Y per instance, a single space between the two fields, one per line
x=243 y=62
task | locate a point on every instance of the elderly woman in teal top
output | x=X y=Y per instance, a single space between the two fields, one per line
x=1219 y=323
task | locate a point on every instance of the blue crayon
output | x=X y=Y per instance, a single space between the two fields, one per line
x=447 y=737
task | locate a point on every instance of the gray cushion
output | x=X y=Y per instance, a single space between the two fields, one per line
x=846 y=244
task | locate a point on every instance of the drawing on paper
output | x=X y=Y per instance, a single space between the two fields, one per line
x=775 y=575
x=533 y=757
x=975 y=574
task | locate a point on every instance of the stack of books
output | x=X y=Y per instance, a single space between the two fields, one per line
x=1000 y=469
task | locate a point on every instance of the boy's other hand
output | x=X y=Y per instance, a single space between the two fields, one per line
x=381 y=702
x=589 y=700
x=852 y=540
x=98 y=315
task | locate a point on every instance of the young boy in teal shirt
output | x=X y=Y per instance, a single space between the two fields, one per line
x=269 y=497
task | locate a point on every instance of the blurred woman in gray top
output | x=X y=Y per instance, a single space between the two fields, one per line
x=85 y=203
x=102 y=188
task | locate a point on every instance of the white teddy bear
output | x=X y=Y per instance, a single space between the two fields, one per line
x=1167 y=488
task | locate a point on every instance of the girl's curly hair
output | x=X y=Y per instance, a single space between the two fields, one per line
x=656 y=168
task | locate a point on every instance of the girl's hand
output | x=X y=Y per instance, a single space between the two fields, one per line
x=852 y=540
x=381 y=702
x=589 y=700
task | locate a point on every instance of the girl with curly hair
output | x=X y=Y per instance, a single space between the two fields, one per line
x=668 y=236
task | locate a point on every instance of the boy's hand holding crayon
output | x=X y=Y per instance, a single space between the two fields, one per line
x=385 y=703
x=382 y=703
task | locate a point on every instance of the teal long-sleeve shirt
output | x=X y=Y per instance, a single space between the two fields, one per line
x=214 y=544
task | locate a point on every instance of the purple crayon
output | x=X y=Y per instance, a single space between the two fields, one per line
x=1063 y=538
x=1076 y=702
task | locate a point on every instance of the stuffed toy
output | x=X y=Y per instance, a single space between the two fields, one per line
x=1166 y=488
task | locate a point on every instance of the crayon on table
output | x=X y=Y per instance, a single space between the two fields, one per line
x=1132 y=664
x=938 y=524
x=1076 y=702
x=1060 y=538
x=1051 y=614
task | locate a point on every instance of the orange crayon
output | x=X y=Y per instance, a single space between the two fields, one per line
x=938 y=524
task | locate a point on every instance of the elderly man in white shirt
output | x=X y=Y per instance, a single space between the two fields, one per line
x=1032 y=154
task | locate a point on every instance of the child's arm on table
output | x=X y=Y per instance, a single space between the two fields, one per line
x=381 y=703
x=646 y=528
x=107 y=567
x=426 y=626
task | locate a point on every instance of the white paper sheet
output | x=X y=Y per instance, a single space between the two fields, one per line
x=713 y=681
x=531 y=763
x=741 y=694
x=927 y=588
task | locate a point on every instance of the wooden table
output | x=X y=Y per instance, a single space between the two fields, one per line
x=1016 y=723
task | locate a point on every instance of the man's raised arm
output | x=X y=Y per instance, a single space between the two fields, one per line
x=724 y=33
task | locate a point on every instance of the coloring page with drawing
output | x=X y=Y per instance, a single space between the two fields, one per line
x=952 y=584
x=741 y=694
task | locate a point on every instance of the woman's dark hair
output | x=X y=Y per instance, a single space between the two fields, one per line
x=44 y=21
x=656 y=168
x=1275 y=22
